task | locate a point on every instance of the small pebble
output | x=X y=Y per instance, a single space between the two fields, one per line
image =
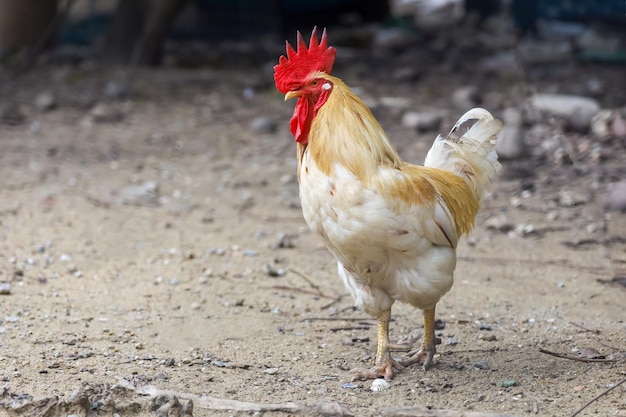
x=115 y=89
x=284 y=242
x=379 y=385
x=145 y=194
x=278 y=272
x=217 y=252
x=481 y=365
x=349 y=385
x=508 y=383
x=105 y=113
x=451 y=341
x=5 y=288
x=45 y=102
x=568 y=198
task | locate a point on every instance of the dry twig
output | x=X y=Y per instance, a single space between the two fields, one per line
x=213 y=403
x=416 y=412
x=577 y=358
x=603 y=393
x=365 y=319
x=336 y=329
x=584 y=328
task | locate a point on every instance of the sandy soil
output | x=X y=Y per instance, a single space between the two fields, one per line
x=166 y=251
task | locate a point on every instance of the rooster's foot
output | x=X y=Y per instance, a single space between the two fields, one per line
x=384 y=369
x=423 y=356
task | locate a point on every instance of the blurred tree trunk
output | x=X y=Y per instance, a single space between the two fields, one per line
x=139 y=29
x=24 y=22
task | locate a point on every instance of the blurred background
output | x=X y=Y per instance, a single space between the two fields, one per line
x=150 y=224
x=149 y=32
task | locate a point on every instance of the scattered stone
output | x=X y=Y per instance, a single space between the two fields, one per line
x=45 y=101
x=263 y=125
x=568 y=198
x=217 y=252
x=590 y=353
x=499 y=223
x=284 y=242
x=576 y=110
x=105 y=113
x=272 y=272
x=422 y=121
x=116 y=89
x=595 y=86
x=508 y=383
x=484 y=326
x=488 y=337
x=270 y=371
x=607 y=124
x=379 y=385
x=481 y=365
x=145 y=194
x=615 y=197
x=523 y=230
x=451 y=341
x=510 y=143
x=5 y=288
x=467 y=97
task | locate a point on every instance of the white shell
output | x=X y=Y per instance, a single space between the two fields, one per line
x=379 y=385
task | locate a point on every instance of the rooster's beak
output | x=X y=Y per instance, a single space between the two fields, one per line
x=292 y=94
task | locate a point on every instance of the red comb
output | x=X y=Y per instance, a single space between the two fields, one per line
x=293 y=68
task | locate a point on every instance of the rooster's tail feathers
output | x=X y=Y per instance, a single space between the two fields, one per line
x=472 y=154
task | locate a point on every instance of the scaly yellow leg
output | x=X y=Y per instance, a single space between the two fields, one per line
x=384 y=364
x=426 y=353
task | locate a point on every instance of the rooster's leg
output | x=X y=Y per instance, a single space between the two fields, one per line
x=426 y=353
x=384 y=363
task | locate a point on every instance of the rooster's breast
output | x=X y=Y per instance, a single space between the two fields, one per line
x=378 y=246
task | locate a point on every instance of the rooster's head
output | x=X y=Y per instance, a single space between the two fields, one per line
x=300 y=74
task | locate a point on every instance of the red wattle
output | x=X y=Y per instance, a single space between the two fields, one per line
x=303 y=115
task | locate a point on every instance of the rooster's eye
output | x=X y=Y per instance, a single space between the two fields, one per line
x=314 y=83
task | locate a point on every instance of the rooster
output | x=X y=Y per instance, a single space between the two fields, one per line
x=392 y=226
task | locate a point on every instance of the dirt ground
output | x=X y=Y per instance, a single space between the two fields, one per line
x=156 y=250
